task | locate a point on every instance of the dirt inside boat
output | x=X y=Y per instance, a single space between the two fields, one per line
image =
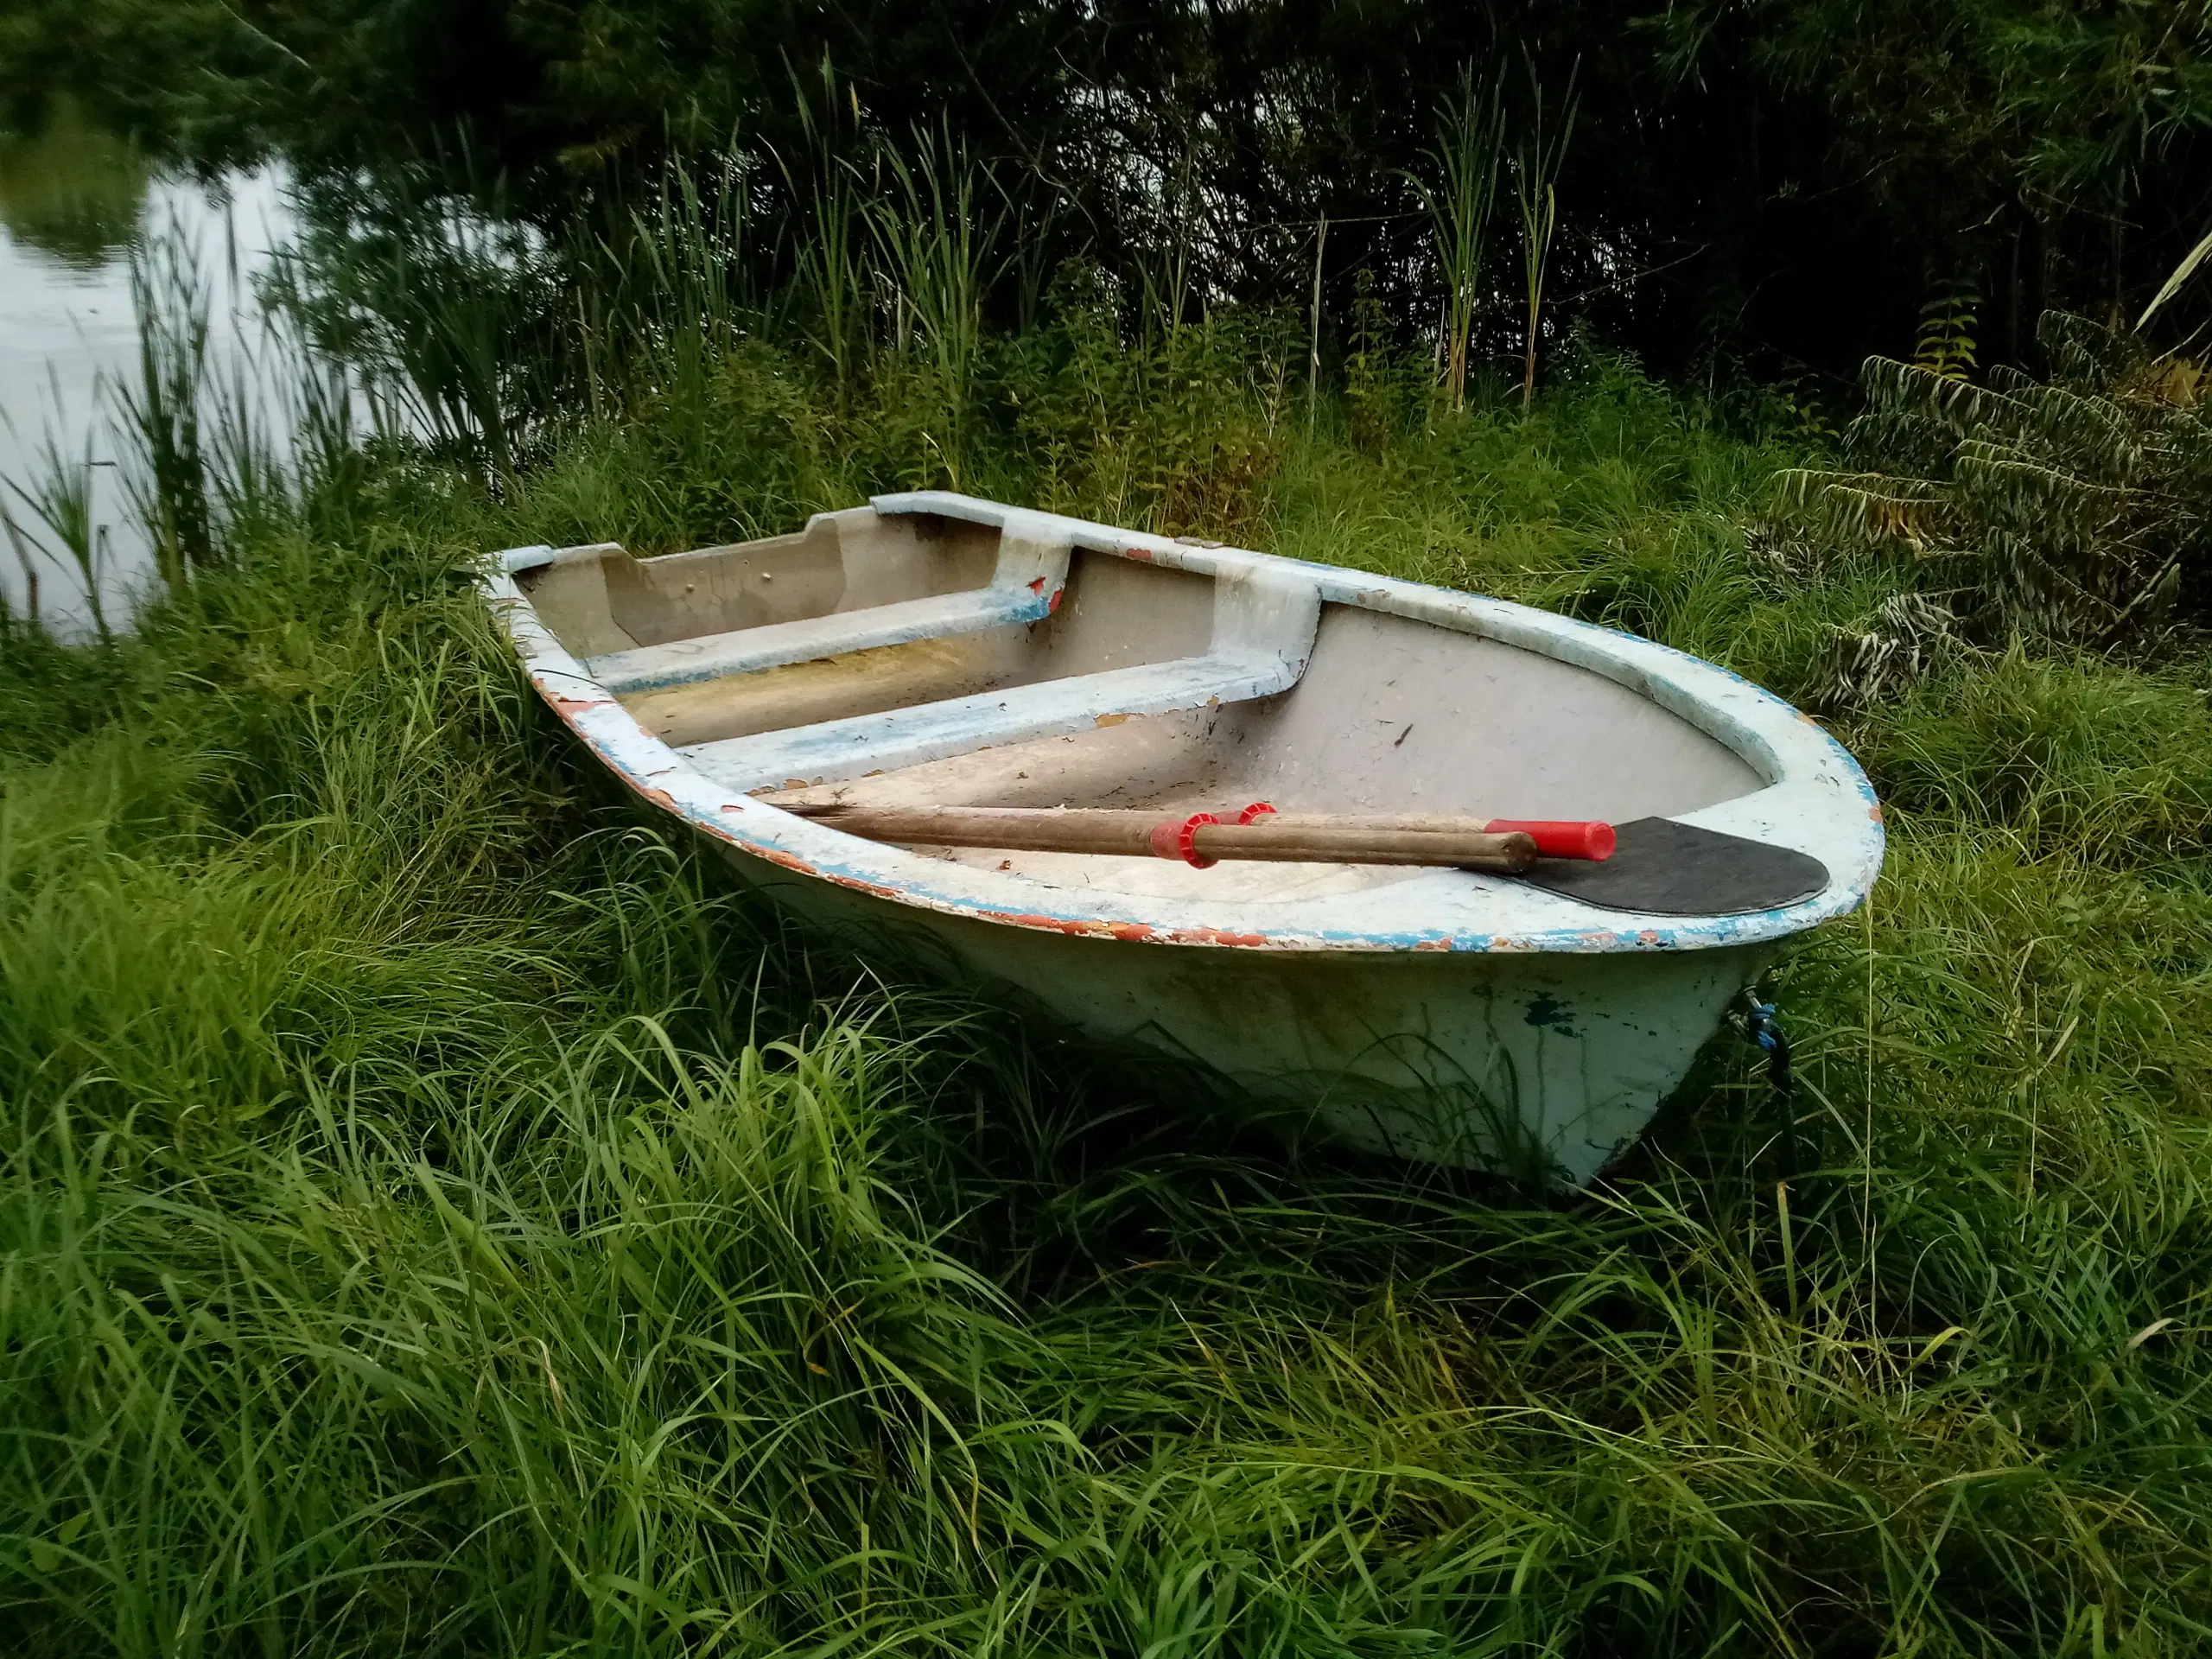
x=911 y=660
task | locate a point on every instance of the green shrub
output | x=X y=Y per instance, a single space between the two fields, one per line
x=2070 y=509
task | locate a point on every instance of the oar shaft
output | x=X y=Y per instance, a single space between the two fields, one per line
x=1016 y=829
x=1310 y=839
x=1554 y=838
x=1473 y=849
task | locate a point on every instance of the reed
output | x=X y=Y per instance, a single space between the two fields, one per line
x=161 y=409
x=830 y=280
x=317 y=401
x=451 y=352
x=29 y=560
x=936 y=231
x=1470 y=148
x=447 y=308
x=669 y=292
x=1539 y=154
x=1167 y=260
x=248 y=472
x=60 y=496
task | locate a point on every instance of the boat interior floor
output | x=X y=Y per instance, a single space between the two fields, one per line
x=1174 y=764
x=914 y=660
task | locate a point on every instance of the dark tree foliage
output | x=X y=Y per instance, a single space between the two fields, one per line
x=1763 y=181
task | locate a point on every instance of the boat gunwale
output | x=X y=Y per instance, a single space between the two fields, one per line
x=1814 y=792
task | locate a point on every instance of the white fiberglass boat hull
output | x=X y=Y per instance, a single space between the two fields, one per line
x=935 y=649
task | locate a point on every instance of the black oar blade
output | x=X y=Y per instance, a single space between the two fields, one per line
x=1677 y=869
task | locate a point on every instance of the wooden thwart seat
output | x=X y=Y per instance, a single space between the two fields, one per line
x=744 y=650
x=837 y=749
x=1025 y=588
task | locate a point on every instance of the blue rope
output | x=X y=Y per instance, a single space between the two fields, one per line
x=1761 y=1026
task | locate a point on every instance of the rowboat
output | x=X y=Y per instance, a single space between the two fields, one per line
x=932 y=654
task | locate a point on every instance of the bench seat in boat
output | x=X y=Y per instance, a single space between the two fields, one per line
x=1025 y=587
x=834 y=750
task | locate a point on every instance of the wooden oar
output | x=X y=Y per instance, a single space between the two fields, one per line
x=1199 y=839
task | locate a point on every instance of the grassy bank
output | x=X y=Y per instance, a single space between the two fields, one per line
x=437 y=1217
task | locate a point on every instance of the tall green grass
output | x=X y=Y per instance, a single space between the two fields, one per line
x=436 y=1215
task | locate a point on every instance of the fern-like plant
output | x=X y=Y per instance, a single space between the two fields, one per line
x=2072 y=510
x=1946 y=344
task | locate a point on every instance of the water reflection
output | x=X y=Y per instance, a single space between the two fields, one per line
x=72 y=202
x=74 y=191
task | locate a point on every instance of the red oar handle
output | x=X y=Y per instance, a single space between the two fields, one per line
x=1561 y=838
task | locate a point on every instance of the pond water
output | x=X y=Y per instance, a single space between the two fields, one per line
x=72 y=202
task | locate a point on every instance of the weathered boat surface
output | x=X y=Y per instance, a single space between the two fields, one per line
x=932 y=648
